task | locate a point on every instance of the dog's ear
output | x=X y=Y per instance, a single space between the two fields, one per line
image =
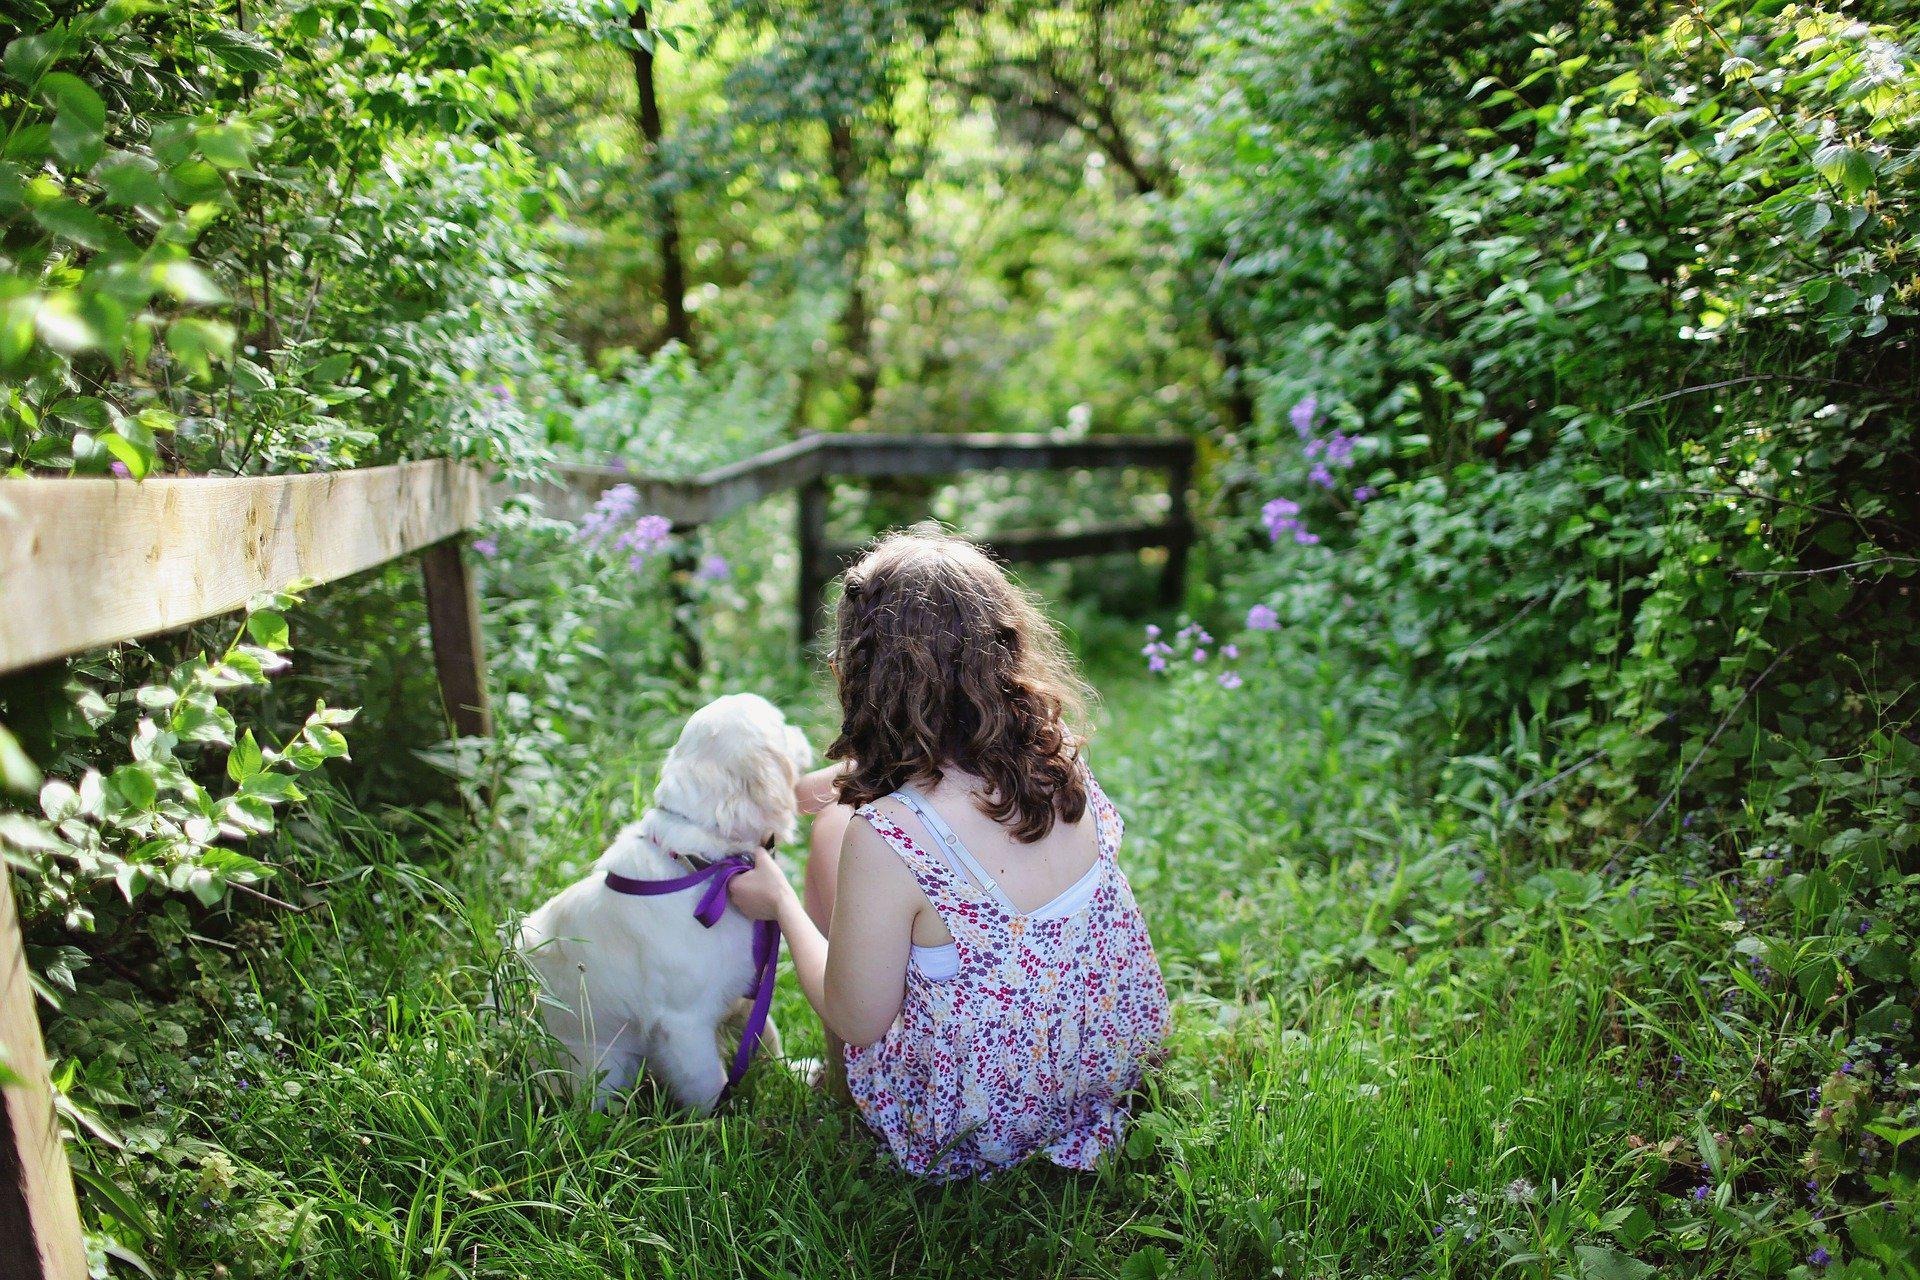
x=757 y=795
x=799 y=750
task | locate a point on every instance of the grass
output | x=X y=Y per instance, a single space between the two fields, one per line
x=1393 y=1056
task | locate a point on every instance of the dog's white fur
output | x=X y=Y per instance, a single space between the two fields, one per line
x=636 y=983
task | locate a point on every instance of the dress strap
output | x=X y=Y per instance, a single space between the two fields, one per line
x=948 y=842
x=1106 y=818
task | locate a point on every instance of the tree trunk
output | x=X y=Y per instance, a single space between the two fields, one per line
x=673 y=270
x=858 y=320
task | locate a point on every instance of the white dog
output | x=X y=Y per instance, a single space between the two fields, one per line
x=636 y=983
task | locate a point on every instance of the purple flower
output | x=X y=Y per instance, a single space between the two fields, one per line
x=648 y=535
x=500 y=391
x=1281 y=516
x=119 y=468
x=1230 y=680
x=1156 y=662
x=1864 y=926
x=1199 y=655
x=1305 y=538
x=1339 y=450
x=1321 y=476
x=1230 y=651
x=1819 y=1257
x=1701 y=1192
x=1365 y=493
x=713 y=568
x=1153 y=632
x=486 y=548
x=615 y=507
x=1302 y=415
x=1262 y=618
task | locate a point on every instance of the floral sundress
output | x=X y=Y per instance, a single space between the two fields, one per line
x=1035 y=1042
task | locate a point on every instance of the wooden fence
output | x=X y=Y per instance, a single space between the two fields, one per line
x=91 y=562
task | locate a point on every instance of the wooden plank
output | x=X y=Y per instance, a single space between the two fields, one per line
x=685 y=502
x=1028 y=546
x=39 y=1219
x=871 y=455
x=453 y=623
x=92 y=561
x=817 y=565
x=1173 y=575
x=693 y=501
x=721 y=491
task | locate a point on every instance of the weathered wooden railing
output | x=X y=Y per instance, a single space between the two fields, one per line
x=91 y=562
x=808 y=464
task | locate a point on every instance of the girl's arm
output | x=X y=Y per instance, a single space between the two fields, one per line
x=857 y=984
x=814 y=791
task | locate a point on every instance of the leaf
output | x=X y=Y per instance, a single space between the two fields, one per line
x=130 y=179
x=196 y=342
x=1149 y=1263
x=1598 y=1262
x=268 y=629
x=1632 y=261
x=73 y=96
x=29 y=57
x=71 y=220
x=138 y=461
x=17 y=771
x=1846 y=167
x=225 y=146
x=245 y=760
x=240 y=50
x=135 y=785
x=189 y=283
x=1810 y=218
x=59 y=325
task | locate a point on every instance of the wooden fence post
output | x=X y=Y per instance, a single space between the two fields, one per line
x=814 y=572
x=681 y=568
x=453 y=620
x=39 y=1218
x=1173 y=575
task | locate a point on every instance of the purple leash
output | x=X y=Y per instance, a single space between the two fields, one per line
x=713 y=905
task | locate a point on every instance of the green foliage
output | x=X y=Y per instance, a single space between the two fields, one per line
x=1621 y=339
x=155 y=823
x=246 y=248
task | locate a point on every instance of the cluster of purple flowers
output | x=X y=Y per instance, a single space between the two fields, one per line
x=1282 y=517
x=1331 y=454
x=713 y=568
x=1262 y=618
x=646 y=536
x=1195 y=643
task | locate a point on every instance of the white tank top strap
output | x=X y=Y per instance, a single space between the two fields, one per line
x=929 y=869
x=959 y=860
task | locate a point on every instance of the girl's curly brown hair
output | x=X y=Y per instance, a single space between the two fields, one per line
x=943 y=662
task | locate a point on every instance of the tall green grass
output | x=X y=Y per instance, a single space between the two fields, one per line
x=1391 y=1057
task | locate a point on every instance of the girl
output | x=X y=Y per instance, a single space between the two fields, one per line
x=982 y=961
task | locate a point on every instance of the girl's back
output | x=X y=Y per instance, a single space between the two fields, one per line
x=1026 y=1030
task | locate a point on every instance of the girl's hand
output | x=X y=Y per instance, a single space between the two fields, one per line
x=814 y=791
x=759 y=894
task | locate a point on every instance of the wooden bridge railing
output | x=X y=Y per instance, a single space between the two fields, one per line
x=91 y=562
x=808 y=464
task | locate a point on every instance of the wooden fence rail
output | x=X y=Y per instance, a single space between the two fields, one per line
x=90 y=562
